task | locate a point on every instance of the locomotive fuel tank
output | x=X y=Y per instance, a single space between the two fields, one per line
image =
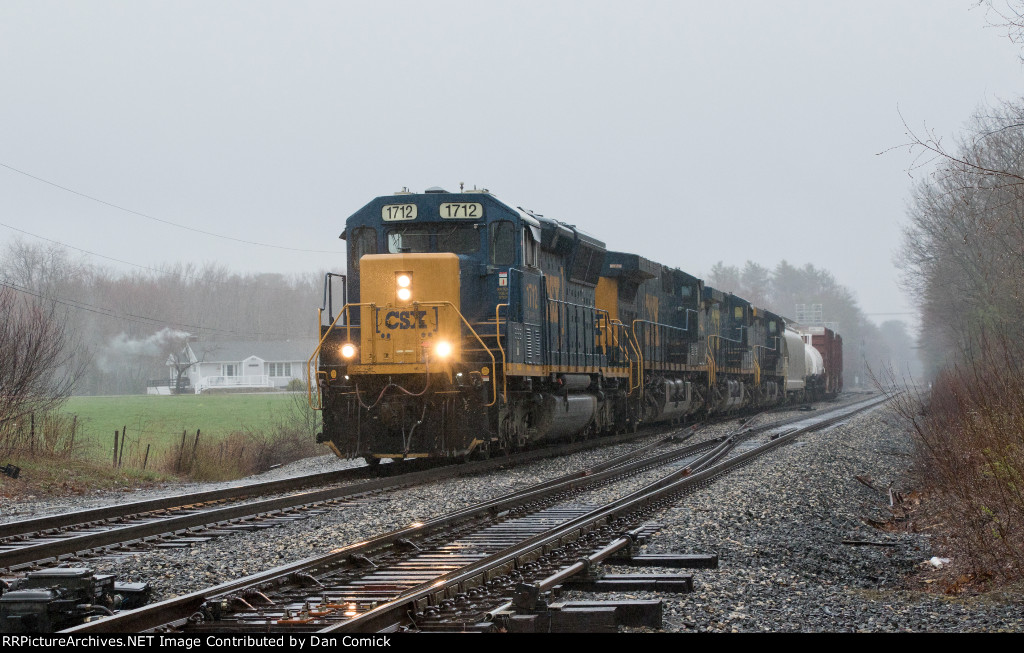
x=561 y=416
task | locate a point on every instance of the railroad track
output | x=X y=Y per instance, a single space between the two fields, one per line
x=189 y=519
x=489 y=567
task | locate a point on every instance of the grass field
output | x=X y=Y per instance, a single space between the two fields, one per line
x=160 y=420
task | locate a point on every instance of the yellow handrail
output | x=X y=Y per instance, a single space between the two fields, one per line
x=639 y=358
x=497 y=340
x=348 y=325
x=316 y=352
x=712 y=365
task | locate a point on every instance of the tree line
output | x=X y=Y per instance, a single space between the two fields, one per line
x=867 y=348
x=962 y=259
x=123 y=327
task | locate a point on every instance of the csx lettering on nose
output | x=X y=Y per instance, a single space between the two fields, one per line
x=405 y=320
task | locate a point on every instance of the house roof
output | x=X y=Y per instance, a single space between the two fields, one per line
x=270 y=351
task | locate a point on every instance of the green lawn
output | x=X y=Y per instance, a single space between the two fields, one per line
x=160 y=420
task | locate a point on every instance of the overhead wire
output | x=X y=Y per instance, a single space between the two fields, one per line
x=161 y=220
x=131 y=317
x=171 y=273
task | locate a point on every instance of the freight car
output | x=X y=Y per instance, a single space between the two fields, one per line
x=470 y=327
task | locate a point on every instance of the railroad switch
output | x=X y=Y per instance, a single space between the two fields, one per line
x=669 y=560
x=582 y=617
x=405 y=544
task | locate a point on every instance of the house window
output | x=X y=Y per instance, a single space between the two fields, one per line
x=279 y=369
x=229 y=369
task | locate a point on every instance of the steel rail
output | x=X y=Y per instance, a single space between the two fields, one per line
x=76 y=543
x=67 y=519
x=180 y=608
x=389 y=615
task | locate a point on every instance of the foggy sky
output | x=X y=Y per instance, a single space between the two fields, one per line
x=688 y=132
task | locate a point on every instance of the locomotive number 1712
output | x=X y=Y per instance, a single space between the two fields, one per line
x=395 y=212
x=469 y=210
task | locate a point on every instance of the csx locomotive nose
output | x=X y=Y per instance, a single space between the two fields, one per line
x=411 y=304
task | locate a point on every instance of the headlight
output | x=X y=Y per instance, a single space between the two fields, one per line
x=348 y=350
x=443 y=349
x=404 y=282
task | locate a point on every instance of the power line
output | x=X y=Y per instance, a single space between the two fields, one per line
x=131 y=317
x=116 y=260
x=161 y=220
x=85 y=251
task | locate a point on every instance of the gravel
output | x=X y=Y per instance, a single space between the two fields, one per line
x=776 y=524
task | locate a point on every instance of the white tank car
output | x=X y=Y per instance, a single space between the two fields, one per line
x=806 y=371
x=814 y=365
x=796 y=370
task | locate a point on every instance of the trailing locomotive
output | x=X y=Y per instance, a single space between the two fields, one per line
x=471 y=327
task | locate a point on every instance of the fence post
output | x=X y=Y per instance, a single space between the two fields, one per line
x=115 y=448
x=32 y=432
x=124 y=436
x=146 y=459
x=195 y=445
x=181 y=452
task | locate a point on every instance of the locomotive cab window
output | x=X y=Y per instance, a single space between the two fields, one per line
x=502 y=242
x=416 y=239
x=363 y=241
x=458 y=238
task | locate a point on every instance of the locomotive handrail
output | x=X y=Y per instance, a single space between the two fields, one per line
x=593 y=310
x=639 y=358
x=712 y=364
x=348 y=326
x=329 y=294
x=655 y=324
x=711 y=373
x=757 y=362
x=494 y=385
x=497 y=340
x=316 y=352
x=613 y=340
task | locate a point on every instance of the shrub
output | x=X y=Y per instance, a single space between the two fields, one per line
x=970 y=450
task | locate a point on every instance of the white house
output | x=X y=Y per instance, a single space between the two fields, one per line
x=250 y=364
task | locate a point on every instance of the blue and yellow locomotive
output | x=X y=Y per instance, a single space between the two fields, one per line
x=473 y=327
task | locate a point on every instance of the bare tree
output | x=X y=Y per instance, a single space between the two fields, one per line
x=38 y=361
x=963 y=248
